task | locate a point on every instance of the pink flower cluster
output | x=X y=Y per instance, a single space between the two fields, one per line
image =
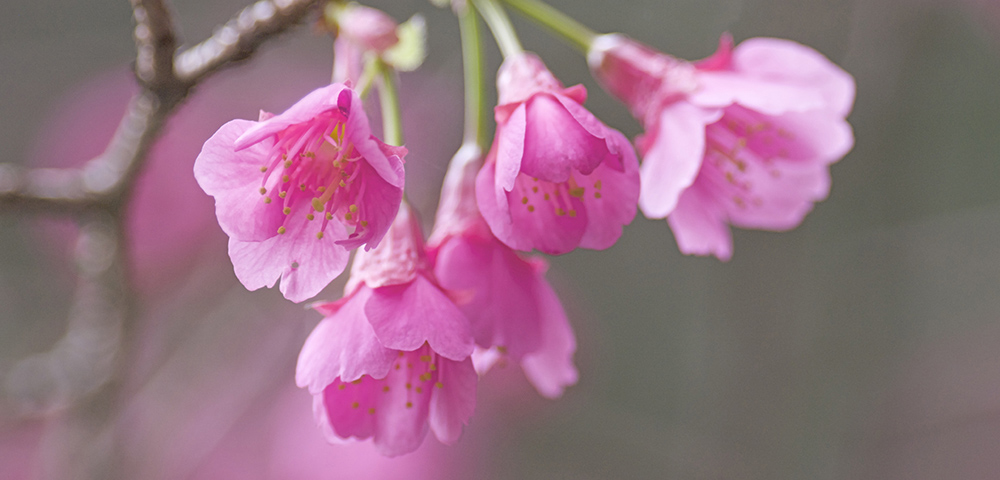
x=743 y=138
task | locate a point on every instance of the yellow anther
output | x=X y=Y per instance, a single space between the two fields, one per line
x=288 y=163
x=433 y=367
x=524 y=200
x=341 y=386
x=286 y=210
x=576 y=192
x=425 y=358
x=262 y=190
x=408 y=385
x=329 y=216
x=439 y=385
x=534 y=189
x=321 y=189
x=310 y=216
x=342 y=184
x=401 y=354
x=267 y=199
x=502 y=349
x=355 y=405
x=283 y=194
x=319 y=235
x=358 y=381
x=597 y=194
x=560 y=212
x=420 y=390
x=353 y=208
x=285 y=178
x=263 y=169
x=409 y=404
x=597 y=184
x=302 y=187
x=531 y=208
x=364 y=224
x=282 y=230
x=317 y=204
x=546 y=196
x=572 y=213
x=348 y=216
x=371 y=411
x=385 y=388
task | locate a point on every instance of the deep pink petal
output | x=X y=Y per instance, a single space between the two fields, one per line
x=377 y=206
x=556 y=143
x=407 y=316
x=619 y=192
x=721 y=89
x=309 y=107
x=347 y=405
x=551 y=368
x=786 y=61
x=343 y=345
x=304 y=263
x=234 y=179
x=672 y=156
x=403 y=403
x=699 y=226
x=453 y=400
x=499 y=285
x=552 y=225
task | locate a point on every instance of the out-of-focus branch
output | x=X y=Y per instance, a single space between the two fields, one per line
x=166 y=80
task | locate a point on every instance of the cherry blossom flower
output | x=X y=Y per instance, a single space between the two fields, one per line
x=556 y=178
x=744 y=137
x=296 y=191
x=512 y=308
x=393 y=356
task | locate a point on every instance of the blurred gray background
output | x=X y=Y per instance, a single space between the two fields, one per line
x=863 y=345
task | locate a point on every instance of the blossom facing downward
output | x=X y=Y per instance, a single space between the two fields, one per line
x=556 y=177
x=744 y=137
x=392 y=358
x=297 y=191
x=512 y=308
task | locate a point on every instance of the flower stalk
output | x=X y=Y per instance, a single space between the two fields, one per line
x=472 y=64
x=498 y=21
x=392 y=117
x=570 y=30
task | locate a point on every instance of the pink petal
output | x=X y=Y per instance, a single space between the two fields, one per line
x=404 y=317
x=619 y=193
x=453 y=400
x=305 y=263
x=551 y=368
x=402 y=410
x=234 y=180
x=542 y=224
x=721 y=89
x=343 y=346
x=789 y=62
x=377 y=206
x=510 y=149
x=699 y=227
x=502 y=307
x=346 y=407
x=556 y=143
x=673 y=156
x=305 y=110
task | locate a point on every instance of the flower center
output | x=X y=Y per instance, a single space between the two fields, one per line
x=559 y=197
x=315 y=163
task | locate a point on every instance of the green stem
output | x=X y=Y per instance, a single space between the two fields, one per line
x=574 y=32
x=472 y=63
x=498 y=21
x=392 y=118
x=373 y=66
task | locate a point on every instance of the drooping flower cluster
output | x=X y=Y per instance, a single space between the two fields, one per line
x=743 y=138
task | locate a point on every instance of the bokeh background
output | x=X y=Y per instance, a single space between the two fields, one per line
x=863 y=345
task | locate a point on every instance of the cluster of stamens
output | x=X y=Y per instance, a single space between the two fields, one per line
x=558 y=196
x=420 y=372
x=315 y=161
x=739 y=141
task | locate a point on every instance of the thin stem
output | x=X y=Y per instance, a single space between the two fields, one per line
x=574 y=32
x=472 y=62
x=373 y=66
x=392 y=118
x=498 y=21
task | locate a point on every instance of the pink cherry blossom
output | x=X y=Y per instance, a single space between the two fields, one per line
x=744 y=137
x=556 y=178
x=392 y=358
x=360 y=29
x=296 y=191
x=512 y=308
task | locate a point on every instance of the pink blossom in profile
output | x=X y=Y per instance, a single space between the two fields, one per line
x=744 y=137
x=512 y=308
x=391 y=359
x=556 y=178
x=297 y=191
